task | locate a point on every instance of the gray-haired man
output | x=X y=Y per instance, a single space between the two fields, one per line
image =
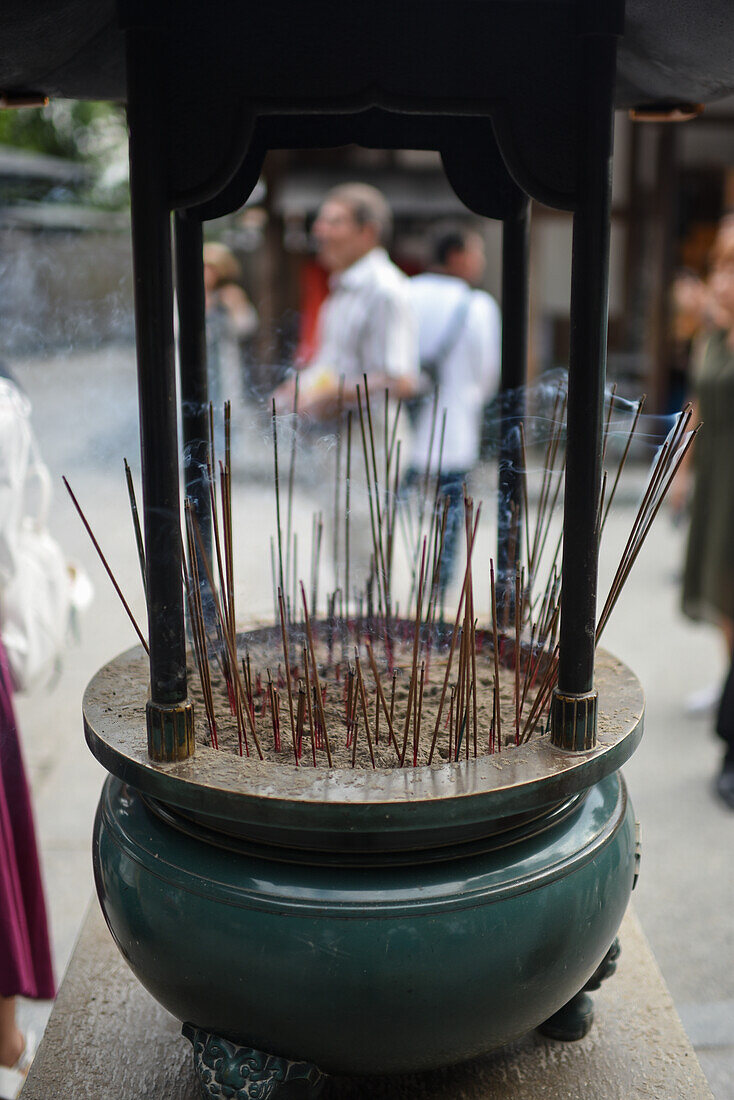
x=367 y=324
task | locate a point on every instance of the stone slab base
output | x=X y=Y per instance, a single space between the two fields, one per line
x=108 y=1039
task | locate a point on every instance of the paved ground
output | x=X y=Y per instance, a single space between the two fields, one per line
x=85 y=416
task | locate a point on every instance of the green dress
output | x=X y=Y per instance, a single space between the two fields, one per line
x=708 y=580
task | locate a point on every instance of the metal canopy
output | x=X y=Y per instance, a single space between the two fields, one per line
x=471 y=158
x=227 y=68
x=293 y=75
x=672 y=50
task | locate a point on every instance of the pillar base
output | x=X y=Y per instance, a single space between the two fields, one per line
x=170 y=730
x=573 y=720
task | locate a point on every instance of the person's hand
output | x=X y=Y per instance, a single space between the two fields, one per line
x=283 y=396
x=318 y=394
x=241 y=312
x=235 y=300
x=321 y=403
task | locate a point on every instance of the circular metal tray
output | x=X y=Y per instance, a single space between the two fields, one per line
x=359 y=809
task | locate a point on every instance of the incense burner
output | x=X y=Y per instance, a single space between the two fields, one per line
x=359 y=921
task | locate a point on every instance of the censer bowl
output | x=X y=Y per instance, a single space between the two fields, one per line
x=285 y=915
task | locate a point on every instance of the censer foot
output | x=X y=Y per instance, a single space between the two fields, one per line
x=574 y=1020
x=571 y=1022
x=228 y=1071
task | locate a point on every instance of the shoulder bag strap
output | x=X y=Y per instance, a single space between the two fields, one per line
x=454 y=328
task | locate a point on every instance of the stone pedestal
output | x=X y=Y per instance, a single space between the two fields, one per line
x=107 y=1037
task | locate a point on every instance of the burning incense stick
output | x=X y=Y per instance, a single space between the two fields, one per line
x=300 y=717
x=308 y=702
x=316 y=536
x=652 y=500
x=198 y=631
x=273 y=578
x=416 y=641
x=136 y=524
x=418 y=715
x=623 y=459
x=525 y=496
x=381 y=695
x=413 y=641
x=347 y=488
x=227 y=657
x=337 y=480
x=286 y=660
x=543 y=696
x=291 y=478
x=495 y=648
x=544 y=512
x=317 y=685
x=109 y=572
x=374 y=504
x=380 y=561
x=277 y=498
x=518 y=610
x=230 y=642
x=452 y=646
x=365 y=714
x=605 y=433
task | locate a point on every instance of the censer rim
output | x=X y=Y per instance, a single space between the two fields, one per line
x=223 y=785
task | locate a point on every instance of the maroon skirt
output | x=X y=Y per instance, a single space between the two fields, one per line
x=25 y=954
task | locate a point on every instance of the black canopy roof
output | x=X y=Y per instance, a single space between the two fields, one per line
x=672 y=50
x=239 y=77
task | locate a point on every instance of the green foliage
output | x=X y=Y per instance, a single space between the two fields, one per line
x=32 y=130
x=93 y=133
x=74 y=129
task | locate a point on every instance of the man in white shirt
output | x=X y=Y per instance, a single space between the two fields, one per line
x=460 y=349
x=366 y=325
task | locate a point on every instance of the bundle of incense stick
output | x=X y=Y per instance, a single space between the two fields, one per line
x=364 y=684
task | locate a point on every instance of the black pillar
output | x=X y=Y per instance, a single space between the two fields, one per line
x=515 y=278
x=169 y=714
x=192 y=368
x=573 y=713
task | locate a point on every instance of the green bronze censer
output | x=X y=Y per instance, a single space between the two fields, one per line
x=355 y=921
x=351 y=841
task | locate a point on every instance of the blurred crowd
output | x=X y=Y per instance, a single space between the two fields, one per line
x=437 y=335
x=703 y=330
